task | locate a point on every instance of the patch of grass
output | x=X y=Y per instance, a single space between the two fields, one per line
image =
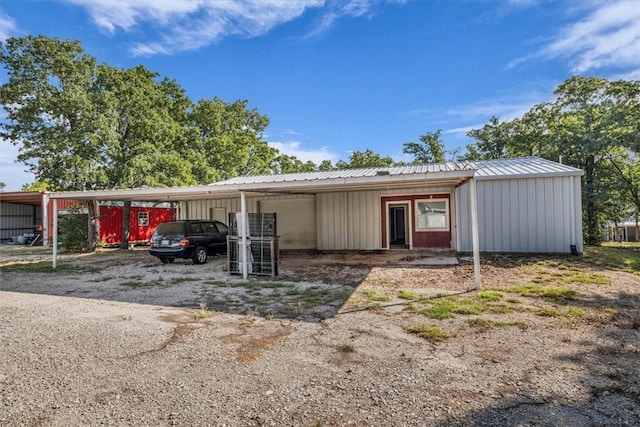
x=412 y=296
x=617 y=256
x=612 y=311
x=490 y=295
x=431 y=333
x=346 y=348
x=440 y=310
x=548 y=312
x=484 y=324
x=374 y=296
x=178 y=280
x=575 y=312
x=102 y=279
x=137 y=284
x=24 y=250
x=46 y=267
x=550 y=293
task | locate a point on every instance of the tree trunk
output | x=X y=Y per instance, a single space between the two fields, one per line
x=126 y=215
x=592 y=237
x=91 y=226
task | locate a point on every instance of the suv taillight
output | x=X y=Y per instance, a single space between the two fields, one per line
x=184 y=242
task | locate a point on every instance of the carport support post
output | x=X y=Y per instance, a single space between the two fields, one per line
x=473 y=205
x=243 y=230
x=55 y=232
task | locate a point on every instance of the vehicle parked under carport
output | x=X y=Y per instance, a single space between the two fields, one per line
x=194 y=239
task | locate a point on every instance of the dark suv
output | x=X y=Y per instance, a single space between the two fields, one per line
x=195 y=239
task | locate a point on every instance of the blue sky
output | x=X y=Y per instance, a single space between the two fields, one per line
x=337 y=76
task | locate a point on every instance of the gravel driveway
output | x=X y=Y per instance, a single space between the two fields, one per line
x=118 y=339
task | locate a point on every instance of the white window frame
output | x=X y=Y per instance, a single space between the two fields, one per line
x=141 y=215
x=446 y=219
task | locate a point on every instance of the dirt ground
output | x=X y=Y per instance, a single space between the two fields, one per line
x=376 y=338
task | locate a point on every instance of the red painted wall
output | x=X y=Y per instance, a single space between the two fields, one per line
x=420 y=239
x=111 y=223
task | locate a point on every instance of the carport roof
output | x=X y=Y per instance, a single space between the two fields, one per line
x=452 y=173
x=33 y=198
x=308 y=183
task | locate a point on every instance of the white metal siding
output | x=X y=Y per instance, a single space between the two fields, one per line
x=296 y=221
x=523 y=215
x=17 y=219
x=349 y=220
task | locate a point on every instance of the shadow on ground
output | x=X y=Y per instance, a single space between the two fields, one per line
x=311 y=286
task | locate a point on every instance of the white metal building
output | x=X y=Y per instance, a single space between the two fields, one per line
x=520 y=205
x=524 y=205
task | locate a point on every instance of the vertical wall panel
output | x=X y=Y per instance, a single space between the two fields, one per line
x=523 y=215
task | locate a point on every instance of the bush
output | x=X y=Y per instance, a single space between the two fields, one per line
x=73 y=233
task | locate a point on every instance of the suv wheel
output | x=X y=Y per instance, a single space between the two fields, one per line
x=200 y=255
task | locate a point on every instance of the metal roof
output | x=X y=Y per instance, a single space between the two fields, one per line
x=453 y=173
x=33 y=198
x=525 y=167
x=346 y=174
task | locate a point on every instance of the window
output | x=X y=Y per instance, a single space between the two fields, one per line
x=143 y=219
x=432 y=215
x=209 y=228
x=222 y=228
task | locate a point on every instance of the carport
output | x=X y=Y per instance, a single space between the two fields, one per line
x=451 y=175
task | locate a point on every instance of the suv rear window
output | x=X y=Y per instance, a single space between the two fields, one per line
x=168 y=228
x=196 y=228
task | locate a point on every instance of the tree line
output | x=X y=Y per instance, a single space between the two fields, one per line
x=81 y=125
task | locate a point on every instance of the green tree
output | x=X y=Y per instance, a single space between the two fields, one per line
x=325 y=166
x=34 y=186
x=51 y=113
x=230 y=137
x=589 y=119
x=430 y=149
x=365 y=159
x=291 y=164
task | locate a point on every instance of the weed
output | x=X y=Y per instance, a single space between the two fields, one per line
x=271 y=316
x=480 y=323
x=431 y=333
x=548 y=312
x=612 y=311
x=297 y=308
x=575 y=312
x=346 y=348
x=203 y=312
x=249 y=320
x=566 y=339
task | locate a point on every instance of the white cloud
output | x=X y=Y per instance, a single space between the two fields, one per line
x=294 y=148
x=8 y=27
x=608 y=36
x=187 y=25
x=179 y=25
